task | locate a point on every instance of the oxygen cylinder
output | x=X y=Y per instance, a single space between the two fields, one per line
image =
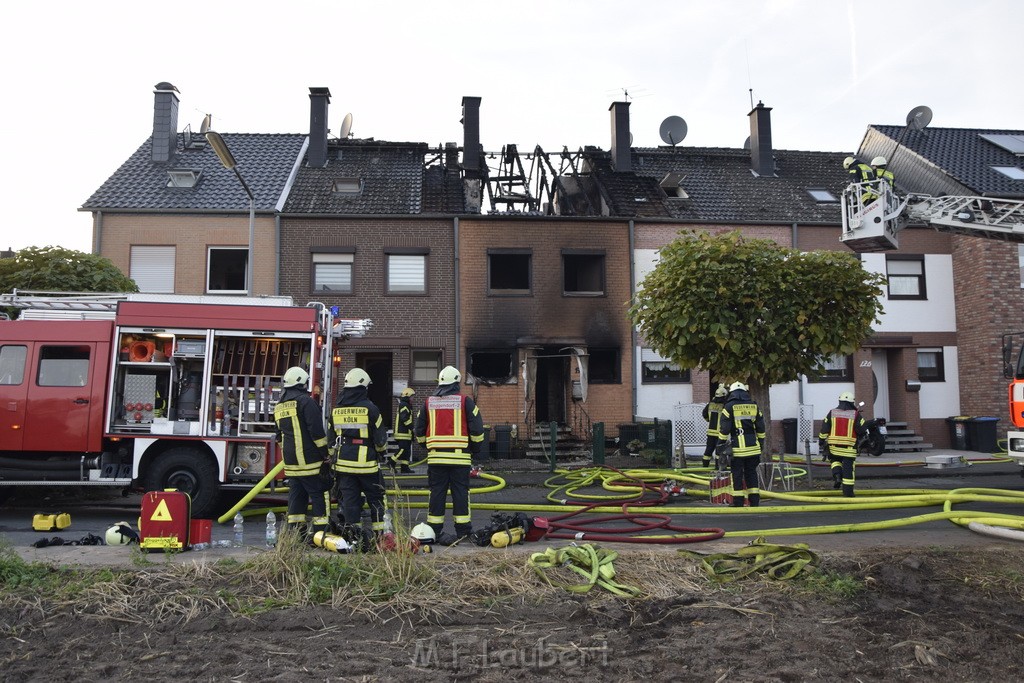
x=332 y=542
x=502 y=539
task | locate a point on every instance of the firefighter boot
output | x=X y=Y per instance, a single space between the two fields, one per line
x=847 y=491
x=737 y=501
x=837 y=478
x=706 y=462
x=755 y=499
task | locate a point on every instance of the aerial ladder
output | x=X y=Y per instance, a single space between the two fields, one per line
x=874 y=215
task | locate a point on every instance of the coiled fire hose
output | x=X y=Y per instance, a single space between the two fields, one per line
x=594 y=564
x=773 y=560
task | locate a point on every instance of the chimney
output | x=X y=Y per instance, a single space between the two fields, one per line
x=761 y=158
x=471 y=136
x=319 y=98
x=451 y=157
x=621 y=159
x=165 y=122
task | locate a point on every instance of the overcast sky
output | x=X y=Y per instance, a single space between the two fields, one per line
x=78 y=76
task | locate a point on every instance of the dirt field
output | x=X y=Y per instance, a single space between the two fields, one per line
x=877 y=615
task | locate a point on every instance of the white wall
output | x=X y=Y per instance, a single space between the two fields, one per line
x=935 y=314
x=656 y=400
x=942 y=399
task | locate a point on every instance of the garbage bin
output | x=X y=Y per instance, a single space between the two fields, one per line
x=958 y=436
x=484 y=454
x=502 y=441
x=789 y=434
x=981 y=433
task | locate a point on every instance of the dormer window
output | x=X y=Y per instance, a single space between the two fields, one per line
x=350 y=186
x=672 y=185
x=1011 y=172
x=182 y=177
x=821 y=195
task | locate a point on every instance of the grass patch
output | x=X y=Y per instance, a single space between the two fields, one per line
x=832 y=586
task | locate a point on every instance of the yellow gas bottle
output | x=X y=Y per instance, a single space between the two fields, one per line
x=502 y=539
x=332 y=542
x=50 y=521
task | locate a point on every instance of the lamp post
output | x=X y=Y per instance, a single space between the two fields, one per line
x=228 y=160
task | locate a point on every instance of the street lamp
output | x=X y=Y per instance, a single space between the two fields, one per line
x=228 y=160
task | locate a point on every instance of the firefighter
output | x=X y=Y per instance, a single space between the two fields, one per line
x=403 y=432
x=451 y=427
x=300 y=432
x=838 y=439
x=711 y=413
x=741 y=429
x=361 y=443
x=861 y=173
x=883 y=174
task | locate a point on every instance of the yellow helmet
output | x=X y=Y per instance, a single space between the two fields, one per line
x=449 y=375
x=294 y=377
x=846 y=396
x=879 y=161
x=121 y=534
x=357 y=377
x=721 y=391
x=408 y=391
x=848 y=161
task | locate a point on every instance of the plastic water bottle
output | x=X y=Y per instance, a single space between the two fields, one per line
x=239 y=529
x=271 y=529
x=200 y=546
x=389 y=526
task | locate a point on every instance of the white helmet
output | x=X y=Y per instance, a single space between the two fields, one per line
x=121 y=534
x=879 y=161
x=721 y=391
x=846 y=396
x=294 y=377
x=449 y=375
x=357 y=377
x=735 y=386
x=423 y=533
x=848 y=161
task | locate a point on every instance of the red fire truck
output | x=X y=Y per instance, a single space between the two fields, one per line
x=149 y=392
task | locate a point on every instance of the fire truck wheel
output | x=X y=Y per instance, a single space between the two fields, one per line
x=188 y=470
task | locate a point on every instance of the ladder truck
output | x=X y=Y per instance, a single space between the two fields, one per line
x=147 y=392
x=875 y=226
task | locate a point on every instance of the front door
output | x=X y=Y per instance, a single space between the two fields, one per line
x=63 y=397
x=14 y=377
x=378 y=367
x=552 y=375
x=880 y=370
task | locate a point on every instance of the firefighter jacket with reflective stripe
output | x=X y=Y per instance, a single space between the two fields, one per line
x=742 y=424
x=840 y=428
x=300 y=430
x=886 y=176
x=361 y=438
x=711 y=413
x=451 y=427
x=403 y=423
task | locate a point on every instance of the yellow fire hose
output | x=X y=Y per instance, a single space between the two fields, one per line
x=773 y=560
x=592 y=563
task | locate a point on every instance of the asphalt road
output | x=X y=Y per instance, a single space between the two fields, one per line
x=93 y=510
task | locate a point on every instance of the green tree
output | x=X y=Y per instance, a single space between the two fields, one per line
x=750 y=310
x=56 y=269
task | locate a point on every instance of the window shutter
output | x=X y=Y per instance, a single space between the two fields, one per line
x=152 y=268
x=406 y=273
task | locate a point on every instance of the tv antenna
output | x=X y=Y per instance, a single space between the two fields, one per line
x=346 y=127
x=672 y=130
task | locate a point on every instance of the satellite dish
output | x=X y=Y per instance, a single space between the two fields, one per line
x=207 y=122
x=186 y=136
x=919 y=117
x=746 y=144
x=346 y=126
x=673 y=130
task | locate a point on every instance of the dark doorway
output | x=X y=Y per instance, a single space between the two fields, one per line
x=552 y=374
x=378 y=367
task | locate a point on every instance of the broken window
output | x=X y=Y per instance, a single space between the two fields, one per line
x=582 y=272
x=491 y=365
x=604 y=366
x=226 y=271
x=509 y=271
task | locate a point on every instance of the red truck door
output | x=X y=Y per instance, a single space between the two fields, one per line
x=65 y=404
x=13 y=394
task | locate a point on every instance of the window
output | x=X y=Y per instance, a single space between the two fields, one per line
x=604 y=366
x=1011 y=172
x=407 y=273
x=12 y=364
x=332 y=272
x=582 y=273
x=226 y=270
x=182 y=178
x=821 y=195
x=491 y=366
x=509 y=272
x=837 y=369
x=425 y=366
x=654 y=369
x=350 y=186
x=906 y=277
x=931 y=365
x=63 y=366
x=152 y=268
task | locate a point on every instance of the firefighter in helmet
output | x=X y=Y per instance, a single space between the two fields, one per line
x=882 y=173
x=451 y=427
x=711 y=413
x=741 y=430
x=403 y=432
x=300 y=431
x=360 y=445
x=861 y=173
x=838 y=440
